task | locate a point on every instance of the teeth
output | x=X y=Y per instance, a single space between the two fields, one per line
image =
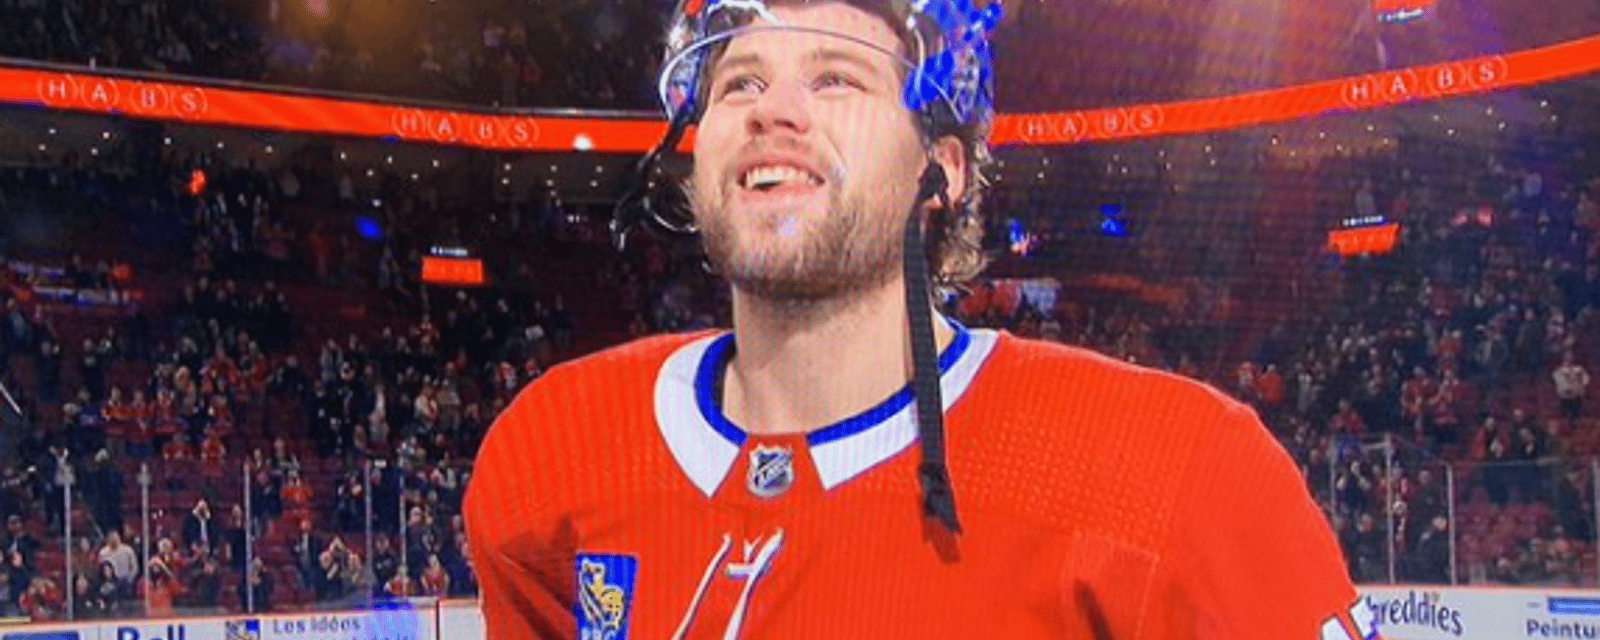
x=773 y=175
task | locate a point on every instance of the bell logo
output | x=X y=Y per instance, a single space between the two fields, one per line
x=171 y=632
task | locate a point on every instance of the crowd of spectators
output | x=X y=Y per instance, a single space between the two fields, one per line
x=228 y=367
x=353 y=432
x=501 y=52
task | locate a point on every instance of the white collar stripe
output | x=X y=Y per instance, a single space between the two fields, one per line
x=705 y=443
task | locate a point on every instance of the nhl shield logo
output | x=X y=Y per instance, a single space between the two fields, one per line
x=771 y=471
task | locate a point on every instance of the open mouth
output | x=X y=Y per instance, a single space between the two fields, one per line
x=778 y=178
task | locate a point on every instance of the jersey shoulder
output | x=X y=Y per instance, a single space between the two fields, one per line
x=1111 y=444
x=1099 y=398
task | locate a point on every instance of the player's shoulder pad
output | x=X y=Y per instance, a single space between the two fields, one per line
x=1078 y=382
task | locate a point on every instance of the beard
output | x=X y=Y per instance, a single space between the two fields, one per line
x=798 y=258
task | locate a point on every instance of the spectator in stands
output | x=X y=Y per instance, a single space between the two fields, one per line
x=257 y=586
x=233 y=537
x=435 y=581
x=87 y=601
x=307 y=548
x=19 y=576
x=266 y=496
x=462 y=581
x=108 y=588
x=297 y=497
x=19 y=540
x=160 y=590
x=102 y=490
x=200 y=526
x=385 y=563
x=202 y=584
x=124 y=563
x=283 y=461
x=1572 y=385
x=1431 y=555
x=400 y=585
x=141 y=434
x=43 y=601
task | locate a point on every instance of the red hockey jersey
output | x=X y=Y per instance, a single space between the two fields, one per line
x=1099 y=500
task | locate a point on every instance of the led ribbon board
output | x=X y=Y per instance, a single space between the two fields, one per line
x=147 y=98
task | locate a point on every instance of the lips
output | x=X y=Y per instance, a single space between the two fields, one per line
x=777 y=172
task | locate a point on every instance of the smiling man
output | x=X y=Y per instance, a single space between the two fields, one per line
x=764 y=482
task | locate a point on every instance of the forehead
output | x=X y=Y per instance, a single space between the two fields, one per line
x=865 y=35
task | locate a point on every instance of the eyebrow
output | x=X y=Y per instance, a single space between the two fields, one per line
x=820 y=54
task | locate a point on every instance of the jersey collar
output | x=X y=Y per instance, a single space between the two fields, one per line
x=705 y=443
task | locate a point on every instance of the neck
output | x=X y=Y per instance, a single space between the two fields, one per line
x=799 y=367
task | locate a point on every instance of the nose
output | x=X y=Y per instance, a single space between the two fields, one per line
x=783 y=105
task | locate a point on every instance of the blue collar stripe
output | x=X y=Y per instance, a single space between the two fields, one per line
x=716 y=355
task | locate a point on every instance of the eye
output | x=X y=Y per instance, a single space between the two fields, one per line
x=832 y=79
x=744 y=83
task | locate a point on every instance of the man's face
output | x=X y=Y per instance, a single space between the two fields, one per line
x=805 y=160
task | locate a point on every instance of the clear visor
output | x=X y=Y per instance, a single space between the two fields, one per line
x=956 y=76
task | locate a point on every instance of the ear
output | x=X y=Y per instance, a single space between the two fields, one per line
x=951 y=154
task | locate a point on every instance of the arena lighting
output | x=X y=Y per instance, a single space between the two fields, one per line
x=138 y=97
x=52 y=130
x=436 y=163
x=105 y=135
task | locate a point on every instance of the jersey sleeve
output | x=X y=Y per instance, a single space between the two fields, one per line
x=1251 y=555
x=515 y=555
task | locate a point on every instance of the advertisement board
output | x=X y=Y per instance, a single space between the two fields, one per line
x=462 y=618
x=398 y=623
x=1461 y=613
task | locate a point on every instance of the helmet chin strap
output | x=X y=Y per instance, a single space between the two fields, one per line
x=938 y=499
x=637 y=204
